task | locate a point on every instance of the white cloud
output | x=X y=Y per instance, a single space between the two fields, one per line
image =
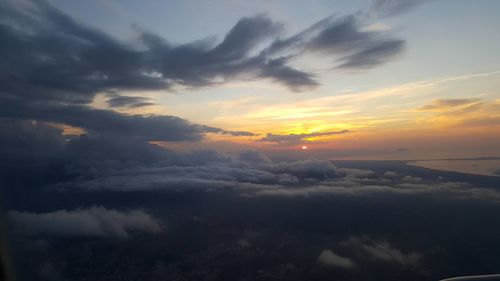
x=385 y=252
x=329 y=258
x=93 y=221
x=382 y=251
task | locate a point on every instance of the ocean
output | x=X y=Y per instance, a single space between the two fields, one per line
x=485 y=167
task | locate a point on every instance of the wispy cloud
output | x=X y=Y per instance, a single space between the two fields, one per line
x=291 y=139
x=387 y=8
x=446 y=104
x=473 y=112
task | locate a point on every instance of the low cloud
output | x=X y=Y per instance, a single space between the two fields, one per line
x=93 y=221
x=329 y=258
x=385 y=252
x=37 y=154
x=352 y=186
x=382 y=251
x=474 y=277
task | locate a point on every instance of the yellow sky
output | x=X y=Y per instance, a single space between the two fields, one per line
x=444 y=117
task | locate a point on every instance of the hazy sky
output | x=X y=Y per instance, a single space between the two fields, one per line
x=348 y=79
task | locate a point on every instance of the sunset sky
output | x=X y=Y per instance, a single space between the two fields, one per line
x=236 y=140
x=348 y=79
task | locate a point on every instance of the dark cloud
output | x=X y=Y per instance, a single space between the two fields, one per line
x=106 y=122
x=63 y=59
x=358 y=48
x=30 y=152
x=128 y=101
x=36 y=155
x=253 y=157
x=386 y=8
x=93 y=221
x=53 y=57
x=113 y=124
x=289 y=212
x=297 y=138
x=238 y=133
x=343 y=35
x=297 y=80
x=373 y=55
x=55 y=66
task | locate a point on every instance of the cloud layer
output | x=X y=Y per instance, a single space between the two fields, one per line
x=93 y=221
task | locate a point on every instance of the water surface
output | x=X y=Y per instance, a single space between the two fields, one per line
x=485 y=167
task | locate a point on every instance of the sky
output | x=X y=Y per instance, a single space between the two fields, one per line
x=379 y=79
x=144 y=139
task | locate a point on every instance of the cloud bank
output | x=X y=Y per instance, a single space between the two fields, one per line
x=93 y=221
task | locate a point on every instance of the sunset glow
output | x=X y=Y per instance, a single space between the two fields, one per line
x=286 y=140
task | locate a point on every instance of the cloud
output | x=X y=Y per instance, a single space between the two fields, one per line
x=113 y=124
x=364 y=187
x=312 y=168
x=297 y=138
x=445 y=104
x=373 y=55
x=411 y=179
x=56 y=65
x=364 y=48
x=387 y=8
x=93 y=221
x=295 y=79
x=391 y=175
x=382 y=251
x=37 y=155
x=128 y=101
x=45 y=43
x=238 y=133
x=385 y=252
x=253 y=157
x=472 y=112
x=474 y=277
x=329 y=258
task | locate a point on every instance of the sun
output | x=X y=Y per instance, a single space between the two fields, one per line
x=304 y=147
